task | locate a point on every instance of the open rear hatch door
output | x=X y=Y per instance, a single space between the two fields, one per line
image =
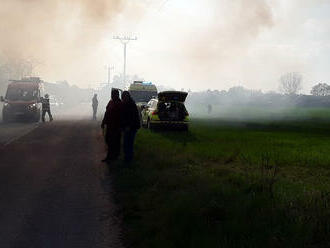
x=171 y=105
x=169 y=96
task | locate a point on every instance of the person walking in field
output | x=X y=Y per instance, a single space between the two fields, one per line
x=46 y=108
x=130 y=123
x=209 y=109
x=111 y=125
x=95 y=104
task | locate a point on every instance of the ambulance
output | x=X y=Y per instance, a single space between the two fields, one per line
x=22 y=100
x=142 y=92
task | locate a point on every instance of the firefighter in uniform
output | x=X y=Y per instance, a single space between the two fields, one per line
x=46 y=108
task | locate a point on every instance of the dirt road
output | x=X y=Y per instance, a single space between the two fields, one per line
x=54 y=191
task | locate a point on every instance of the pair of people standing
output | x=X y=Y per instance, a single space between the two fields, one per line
x=121 y=116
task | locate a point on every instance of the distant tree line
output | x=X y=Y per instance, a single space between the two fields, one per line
x=289 y=86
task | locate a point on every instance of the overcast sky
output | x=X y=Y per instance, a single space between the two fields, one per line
x=190 y=44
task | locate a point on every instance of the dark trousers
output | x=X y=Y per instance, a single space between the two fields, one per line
x=94 y=113
x=129 y=137
x=113 y=141
x=44 y=111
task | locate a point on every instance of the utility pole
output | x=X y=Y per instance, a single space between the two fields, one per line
x=124 y=40
x=109 y=73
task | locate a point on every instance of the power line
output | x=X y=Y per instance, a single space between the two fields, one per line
x=124 y=40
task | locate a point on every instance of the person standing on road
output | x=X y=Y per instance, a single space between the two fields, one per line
x=130 y=122
x=95 y=104
x=46 y=108
x=111 y=124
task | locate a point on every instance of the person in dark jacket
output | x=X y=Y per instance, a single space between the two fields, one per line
x=130 y=122
x=95 y=104
x=46 y=108
x=111 y=122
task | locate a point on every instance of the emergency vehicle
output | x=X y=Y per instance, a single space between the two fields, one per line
x=167 y=111
x=142 y=92
x=22 y=100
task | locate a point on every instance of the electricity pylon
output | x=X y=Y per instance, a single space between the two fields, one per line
x=124 y=40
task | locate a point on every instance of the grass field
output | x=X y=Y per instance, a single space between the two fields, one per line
x=258 y=183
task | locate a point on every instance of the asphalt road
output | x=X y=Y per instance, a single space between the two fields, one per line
x=54 y=191
x=10 y=132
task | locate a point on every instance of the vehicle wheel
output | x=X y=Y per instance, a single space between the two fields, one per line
x=149 y=125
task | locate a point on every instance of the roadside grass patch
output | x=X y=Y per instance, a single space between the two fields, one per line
x=223 y=185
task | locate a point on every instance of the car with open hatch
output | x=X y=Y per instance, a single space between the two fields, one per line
x=166 y=111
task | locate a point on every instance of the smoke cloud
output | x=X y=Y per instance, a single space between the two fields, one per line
x=181 y=43
x=54 y=32
x=223 y=43
x=208 y=43
x=242 y=21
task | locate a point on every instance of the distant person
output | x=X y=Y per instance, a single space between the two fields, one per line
x=111 y=124
x=95 y=104
x=130 y=122
x=209 y=109
x=46 y=108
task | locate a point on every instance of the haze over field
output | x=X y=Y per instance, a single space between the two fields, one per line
x=191 y=44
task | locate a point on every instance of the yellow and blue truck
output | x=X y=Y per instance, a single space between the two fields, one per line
x=142 y=92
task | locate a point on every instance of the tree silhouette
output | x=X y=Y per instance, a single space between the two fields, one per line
x=321 y=90
x=290 y=83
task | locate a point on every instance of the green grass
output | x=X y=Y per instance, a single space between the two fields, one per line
x=229 y=184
